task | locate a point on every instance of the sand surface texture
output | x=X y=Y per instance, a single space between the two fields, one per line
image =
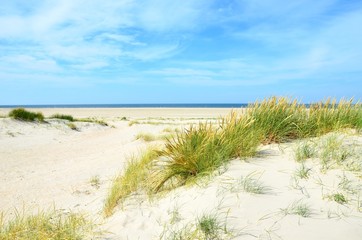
x=44 y=165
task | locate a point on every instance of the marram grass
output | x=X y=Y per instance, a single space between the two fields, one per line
x=63 y=116
x=47 y=225
x=277 y=118
x=193 y=152
x=24 y=115
x=132 y=179
x=201 y=149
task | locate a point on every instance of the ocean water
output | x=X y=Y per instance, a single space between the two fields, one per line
x=153 y=105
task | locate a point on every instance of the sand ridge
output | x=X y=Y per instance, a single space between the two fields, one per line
x=45 y=165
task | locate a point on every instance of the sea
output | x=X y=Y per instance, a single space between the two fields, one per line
x=148 y=105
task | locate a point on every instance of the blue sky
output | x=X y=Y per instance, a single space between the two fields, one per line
x=189 y=51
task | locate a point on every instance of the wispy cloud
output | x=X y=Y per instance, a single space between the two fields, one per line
x=80 y=32
x=186 y=43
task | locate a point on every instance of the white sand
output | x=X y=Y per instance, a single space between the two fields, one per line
x=44 y=165
x=110 y=113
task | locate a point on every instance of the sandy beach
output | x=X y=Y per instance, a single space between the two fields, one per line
x=114 y=113
x=45 y=165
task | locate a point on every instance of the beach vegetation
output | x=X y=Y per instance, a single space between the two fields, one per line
x=134 y=178
x=338 y=198
x=304 y=151
x=63 y=116
x=207 y=227
x=194 y=152
x=72 y=126
x=24 y=115
x=92 y=120
x=330 y=115
x=298 y=208
x=253 y=185
x=95 y=181
x=201 y=149
x=333 y=152
x=133 y=122
x=302 y=171
x=175 y=215
x=46 y=225
x=277 y=118
x=210 y=226
x=147 y=137
x=284 y=119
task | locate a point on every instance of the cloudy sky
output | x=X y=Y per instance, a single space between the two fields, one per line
x=186 y=51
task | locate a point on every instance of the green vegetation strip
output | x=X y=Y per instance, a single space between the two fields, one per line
x=62 y=116
x=24 y=115
x=47 y=225
x=203 y=148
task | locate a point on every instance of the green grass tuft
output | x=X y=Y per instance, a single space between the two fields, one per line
x=62 y=116
x=92 y=120
x=339 y=198
x=210 y=226
x=302 y=172
x=72 y=126
x=207 y=227
x=277 y=118
x=24 y=115
x=202 y=149
x=134 y=178
x=46 y=225
x=147 y=137
x=298 y=208
x=194 y=152
x=304 y=151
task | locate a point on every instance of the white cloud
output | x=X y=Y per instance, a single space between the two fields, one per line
x=79 y=31
x=30 y=63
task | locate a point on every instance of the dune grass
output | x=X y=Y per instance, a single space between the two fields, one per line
x=63 y=116
x=202 y=148
x=302 y=172
x=253 y=185
x=194 y=152
x=330 y=151
x=134 y=178
x=72 y=126
x=24 y=115
x=147 y=137
x=206 y=227
x=331 y=115
x=92 y=120
x=283 y=119
x=298 y=208
x=305 y=150
x=277 y=118
x=47 y=225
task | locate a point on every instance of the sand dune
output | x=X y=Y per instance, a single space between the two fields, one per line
x=45 y=165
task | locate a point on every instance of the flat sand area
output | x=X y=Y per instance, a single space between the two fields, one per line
x=44 y=165
x=132 y=112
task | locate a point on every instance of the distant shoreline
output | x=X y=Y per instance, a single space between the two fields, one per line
x=151 y=105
